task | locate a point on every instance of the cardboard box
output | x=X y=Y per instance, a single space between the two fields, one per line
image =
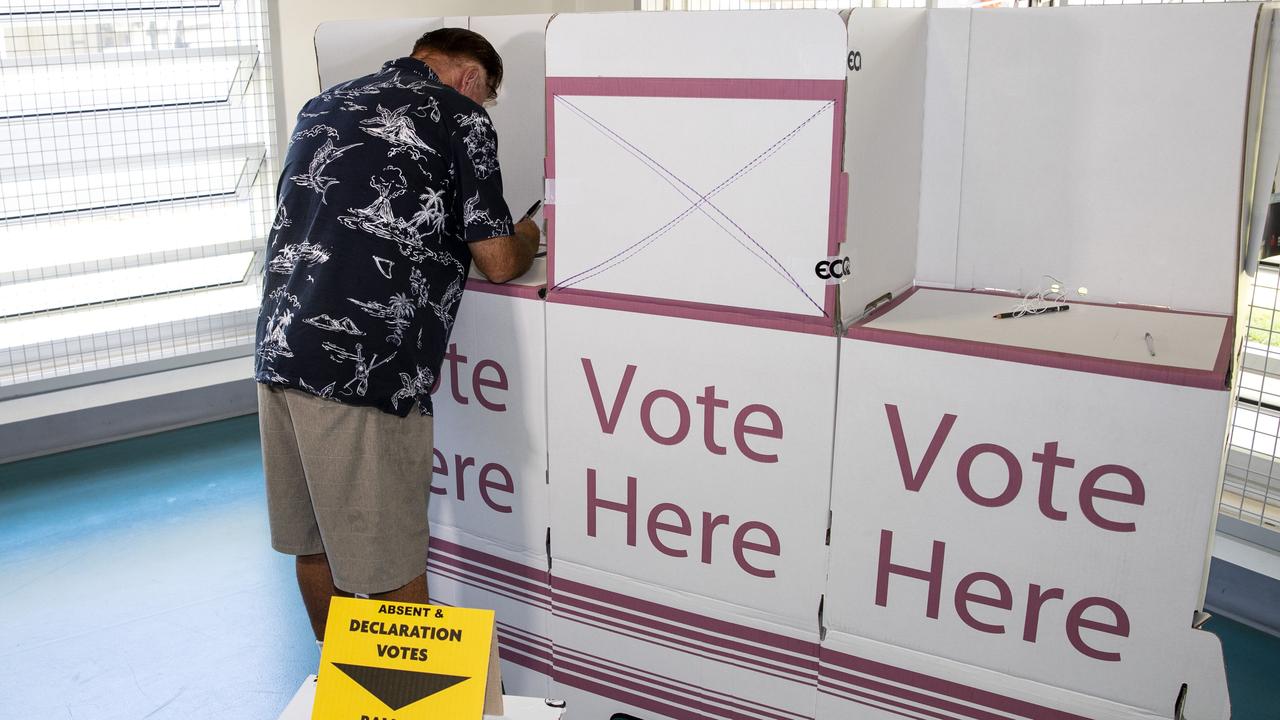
x=1033 y=495
x=691 y=357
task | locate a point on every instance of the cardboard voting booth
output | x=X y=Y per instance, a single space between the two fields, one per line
x=1022 y=507
x=691 y=358
x=489 y=512
x=686 y=497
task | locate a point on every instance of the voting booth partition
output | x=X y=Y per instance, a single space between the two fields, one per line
x=489 y=496
x=688 y=496
x=489 y=507
x=1022 y=507
x=691 y=358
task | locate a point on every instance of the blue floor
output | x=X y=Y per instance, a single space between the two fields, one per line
x=136 y=581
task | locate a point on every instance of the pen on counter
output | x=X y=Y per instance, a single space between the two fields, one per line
x=1040 y=311
x=1151 y=344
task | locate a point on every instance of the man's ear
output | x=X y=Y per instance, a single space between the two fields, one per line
x=470 y=80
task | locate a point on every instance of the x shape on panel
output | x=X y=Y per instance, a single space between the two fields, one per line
x=699 y=202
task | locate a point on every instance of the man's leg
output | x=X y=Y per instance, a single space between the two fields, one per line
x=414 y=592
x=367 y=475
x=294 y=530
x=315 y=580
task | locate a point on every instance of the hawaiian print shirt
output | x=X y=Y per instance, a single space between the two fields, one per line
x=386 y=180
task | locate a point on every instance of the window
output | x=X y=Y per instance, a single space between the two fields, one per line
x=1251 y=489
x=137 y=172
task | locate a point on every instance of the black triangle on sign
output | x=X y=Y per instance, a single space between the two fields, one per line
x=398 y=688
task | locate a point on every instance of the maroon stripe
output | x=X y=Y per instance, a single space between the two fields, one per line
x=739 y=88
x=509 y=289
x=525 y=635
x=855 y=696
x=944 y=687
x=673 y=684
x=892 y=690
x=515 y=568
x=690 y=310
x=648 y=609
x=489 y=585
x=521 y=648
x=525 y=662
x=686 y=637
x=540 y=588
x=691 y=649
x=536 y=602
x=809 y=663
x=510 y=655
x=643 y=702
x=707 y=711
x=489 y=588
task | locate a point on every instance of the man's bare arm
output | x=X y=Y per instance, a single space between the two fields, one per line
x=505 y=258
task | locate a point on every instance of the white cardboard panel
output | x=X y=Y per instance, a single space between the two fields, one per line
x=1096 y=144
x=490 y=430
x=882 y=152
x=869 y=680
x=489 y=492
x=1101 y=331
x=348 y=49
x=1003 y=415
x=625 y=419
x=519 y=113
x=465 y=570
x=942 y=145
x=746 y=44
x=624 y=646
x=630 y=216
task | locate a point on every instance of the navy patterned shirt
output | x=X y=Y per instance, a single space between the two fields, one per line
x=386 y=180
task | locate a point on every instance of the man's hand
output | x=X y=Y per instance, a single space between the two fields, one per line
x=507 y=257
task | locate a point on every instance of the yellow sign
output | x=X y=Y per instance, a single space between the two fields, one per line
x=403 y=661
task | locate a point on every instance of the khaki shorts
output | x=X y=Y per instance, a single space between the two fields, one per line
x=351 y=482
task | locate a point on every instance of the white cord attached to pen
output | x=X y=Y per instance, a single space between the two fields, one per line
x=1043 y=299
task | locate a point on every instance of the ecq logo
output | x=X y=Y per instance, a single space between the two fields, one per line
x=833 y=270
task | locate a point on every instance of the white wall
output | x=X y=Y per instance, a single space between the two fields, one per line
x=294 y=25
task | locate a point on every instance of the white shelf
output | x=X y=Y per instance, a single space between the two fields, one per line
x=1109 y=332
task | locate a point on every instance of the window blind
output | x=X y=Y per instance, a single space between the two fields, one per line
x=137 y=171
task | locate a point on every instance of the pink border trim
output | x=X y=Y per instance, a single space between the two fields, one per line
x=804 y=653
x=968 y=693
x=511 y=289
x=635 y=677
x=517 y=651
x=724 y=314
x=1215 y=379
x=510 y=566
x=771 y=89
